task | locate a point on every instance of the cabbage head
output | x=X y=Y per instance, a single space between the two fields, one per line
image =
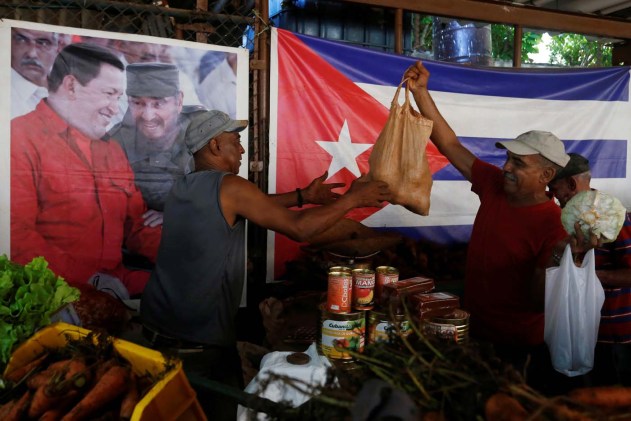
x=601 y=212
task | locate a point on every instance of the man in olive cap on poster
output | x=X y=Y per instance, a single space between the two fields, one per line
x=152 y=132
x=195 y=289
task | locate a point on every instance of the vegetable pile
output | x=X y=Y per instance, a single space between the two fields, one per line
x=600 y=212
x=29 y=295
x=86 y=379
x=444 y=381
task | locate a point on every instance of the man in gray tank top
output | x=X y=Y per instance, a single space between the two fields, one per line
x=191 y=301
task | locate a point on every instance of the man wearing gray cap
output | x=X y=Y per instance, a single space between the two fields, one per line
x=516 y=235
x=152 y=132
x=195 y=289
x=612 y=360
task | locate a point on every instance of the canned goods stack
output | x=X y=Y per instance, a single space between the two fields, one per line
x=366 y=306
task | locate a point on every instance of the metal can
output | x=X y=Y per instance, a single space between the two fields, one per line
x=340 y=332
x=363 y=289
x=344 y=269
x=452 y=327
x=382 y=327
x=339 y=292
x=384 y=275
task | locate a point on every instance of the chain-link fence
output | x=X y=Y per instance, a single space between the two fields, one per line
x=231 y=23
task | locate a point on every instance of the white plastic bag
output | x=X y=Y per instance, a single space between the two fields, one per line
x=573 y=299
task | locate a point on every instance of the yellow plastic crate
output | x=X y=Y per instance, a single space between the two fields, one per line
x=172 y=398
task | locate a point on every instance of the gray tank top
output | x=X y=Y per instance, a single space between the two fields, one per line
x=195 y=288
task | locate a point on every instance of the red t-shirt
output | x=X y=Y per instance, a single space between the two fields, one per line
x=507 y=244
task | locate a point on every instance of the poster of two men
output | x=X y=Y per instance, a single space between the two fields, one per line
x=92 y=130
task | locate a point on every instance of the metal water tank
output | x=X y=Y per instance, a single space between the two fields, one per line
x=462 y=42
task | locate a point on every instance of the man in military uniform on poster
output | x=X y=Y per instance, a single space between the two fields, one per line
x=152 y=132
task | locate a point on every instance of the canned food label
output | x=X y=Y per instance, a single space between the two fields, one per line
x=363 y=289
x=339 y=292
x=347 y=334
x=443 y=331
x=382 y=331
x=385 y=275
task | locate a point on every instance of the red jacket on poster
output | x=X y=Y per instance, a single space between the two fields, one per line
x=76 y=209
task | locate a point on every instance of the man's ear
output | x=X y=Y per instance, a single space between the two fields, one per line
x=571 y=183
x=213 y=145
x=548 y=174
x=69 y=83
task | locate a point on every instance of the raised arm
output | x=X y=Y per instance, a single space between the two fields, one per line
x=442 y=135
x=240 y=197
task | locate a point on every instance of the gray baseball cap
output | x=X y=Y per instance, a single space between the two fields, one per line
x=537 y=142
x=207 y=125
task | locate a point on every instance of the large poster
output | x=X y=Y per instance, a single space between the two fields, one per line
x=91 y=139
x=341 y=94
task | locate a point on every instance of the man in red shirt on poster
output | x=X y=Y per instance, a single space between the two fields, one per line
x=73 y=197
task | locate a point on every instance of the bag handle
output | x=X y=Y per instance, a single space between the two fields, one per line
x=406 y=103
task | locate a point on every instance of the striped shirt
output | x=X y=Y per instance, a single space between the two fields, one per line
x=615 y=316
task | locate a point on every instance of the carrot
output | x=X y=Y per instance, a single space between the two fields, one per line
x=5 y=408
x=52 y=415
x=503 y=407
x=18 y=409
x=39 y=379
x=20 y=372
x=603 y=396
x=108 y=388
x=565 y=413
x=433 y=416
x=130 y=399
x=41 y=402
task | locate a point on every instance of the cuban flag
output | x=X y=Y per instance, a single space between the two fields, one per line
x=329 y=102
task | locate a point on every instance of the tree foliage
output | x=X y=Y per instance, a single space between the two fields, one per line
x=502 y=37
x=577 y=50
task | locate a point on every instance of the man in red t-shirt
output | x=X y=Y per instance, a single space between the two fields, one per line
x=517 y=234
x=612 y=360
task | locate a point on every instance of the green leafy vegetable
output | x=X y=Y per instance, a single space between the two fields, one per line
x=29 y=295
x=600 y=212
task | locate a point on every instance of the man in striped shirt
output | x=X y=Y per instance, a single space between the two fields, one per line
x=612 y=362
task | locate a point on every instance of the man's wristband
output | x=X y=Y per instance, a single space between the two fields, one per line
x=300 y=199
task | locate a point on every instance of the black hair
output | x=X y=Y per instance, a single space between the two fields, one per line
x=83 y=61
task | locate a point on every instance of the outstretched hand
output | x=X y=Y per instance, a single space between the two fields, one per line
x=369 y=193
x=417 y=76
x=320 y=193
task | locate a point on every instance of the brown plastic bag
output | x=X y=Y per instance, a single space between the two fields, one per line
x=399 y=156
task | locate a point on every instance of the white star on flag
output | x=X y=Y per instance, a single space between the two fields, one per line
x=344 y=152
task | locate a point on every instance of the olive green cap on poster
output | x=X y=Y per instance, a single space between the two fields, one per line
x=155 y=80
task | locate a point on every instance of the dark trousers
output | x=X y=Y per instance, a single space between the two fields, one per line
x=535 y=364
x=219 y=364
x=612 y=365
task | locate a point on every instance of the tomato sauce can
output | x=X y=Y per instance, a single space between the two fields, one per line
x=363 y=289
x=384 y=275
x=339 y=292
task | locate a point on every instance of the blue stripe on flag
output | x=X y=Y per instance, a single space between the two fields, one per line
x=358 y=64
x=608 y=158
x=446 y=234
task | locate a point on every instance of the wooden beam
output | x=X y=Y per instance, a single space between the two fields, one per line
x=398 y=31
x=512 y=14
x=519 y=32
